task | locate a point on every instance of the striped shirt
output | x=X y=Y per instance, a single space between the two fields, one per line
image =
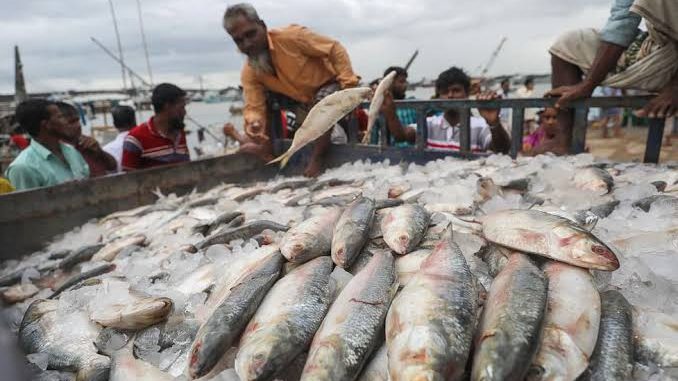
x=145 y=147
x=444 y=137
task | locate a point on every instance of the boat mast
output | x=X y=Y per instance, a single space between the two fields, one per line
x=20 y=93
x=143 y=40
x=117 y=36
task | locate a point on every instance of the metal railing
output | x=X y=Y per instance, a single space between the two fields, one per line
x=518 y=106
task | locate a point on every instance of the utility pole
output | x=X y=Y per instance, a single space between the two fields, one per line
x=117 y=36
x=143 y=40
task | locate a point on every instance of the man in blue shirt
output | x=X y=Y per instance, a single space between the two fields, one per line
x=47 y=161
x=394 y=117
x=620 y=56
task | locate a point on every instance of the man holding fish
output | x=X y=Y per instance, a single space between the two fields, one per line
x=292 y=61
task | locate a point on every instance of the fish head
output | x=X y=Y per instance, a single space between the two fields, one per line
x=200 y=360
x=292 y=248
x=256 y=360
x=151 y=311
x=594 y=254
x=38 y=309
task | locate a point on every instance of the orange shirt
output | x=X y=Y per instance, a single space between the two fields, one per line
x=303 y=61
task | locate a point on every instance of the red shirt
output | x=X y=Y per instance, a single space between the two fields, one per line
x=145 y=147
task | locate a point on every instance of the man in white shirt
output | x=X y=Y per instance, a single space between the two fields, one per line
x=444 y=130
x=124 y=119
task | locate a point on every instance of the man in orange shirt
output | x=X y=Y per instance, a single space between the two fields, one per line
x=292 y=61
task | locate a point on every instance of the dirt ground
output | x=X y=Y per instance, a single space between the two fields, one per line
x=630 y=147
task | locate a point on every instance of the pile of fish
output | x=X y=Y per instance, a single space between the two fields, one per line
x=539 y=268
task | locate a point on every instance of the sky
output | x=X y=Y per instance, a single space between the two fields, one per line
x=186 y=39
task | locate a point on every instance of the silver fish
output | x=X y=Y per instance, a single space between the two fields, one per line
x=351 y=231
x=551 y=236
x=377 y=368
x=496 y=258
x=571 y=324
x=210 y=226
x=664 y=202
x=43 y=331
x=407 y=266
x=79 y=278
x=593 y=179
x=18 y=293
x=229 y=319
x=137 y=314
x=351 y=329
x=376 y=102
x=286 y=321
x=404 y=227
x=83 y=254
x=508 y=335
x=111 y=250
x=322 y=117
x=612 y=358
x=311 y=238
x=429 y=328
x=244 y=232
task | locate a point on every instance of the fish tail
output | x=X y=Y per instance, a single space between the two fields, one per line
x=282 y=158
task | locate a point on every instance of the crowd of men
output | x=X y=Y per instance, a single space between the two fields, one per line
x=298 y=68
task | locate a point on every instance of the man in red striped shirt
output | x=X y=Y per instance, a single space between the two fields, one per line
x=162 y=139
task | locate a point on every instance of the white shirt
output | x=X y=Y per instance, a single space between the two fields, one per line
x=444 y=137
x=115 y=148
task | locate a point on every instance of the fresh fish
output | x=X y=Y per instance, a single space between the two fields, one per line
x=125 y=367
x=429 y=328
x=351 y=231
x=377 y=368
x=346 y=192
x=295 y=199
x=508 y=335
x=353 y=325
x=544 y=234
x=227 y=322
x=404 y=227
x=19 y=293
x=520 y=185
x=407 y=266
x=83 y=254
x=599 y=211
x=458 y=209
x=496 y=258
x=223 y=219
x=202 y=201
x=593 y=179
x=248 y=193
x=311 y=238
x=365 y=257
x=335 y=200
x=78 y=278
x=656 y=337
x=395 y=191
x=68 y=342
x=12 y=278
x=61 y=254
x=286 y=321
x=111 y=250
x=236 y=222
x=486 y=189
x=137 y=314
x=292 y=184
x=244 y=232
x=199 y=280
x=387 y=203
x=322 y=117
x=661 y=201
x=377 y=101
x=612 y=358
x=320 y=184
x=571 y=324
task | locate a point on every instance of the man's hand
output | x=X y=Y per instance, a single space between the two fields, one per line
x=664 y=105
x=255 y=130
x=491 y=115
x=88 y=143
x=388 y=106
x=571 y=93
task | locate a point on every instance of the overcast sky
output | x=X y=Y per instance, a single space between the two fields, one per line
x=186 y=38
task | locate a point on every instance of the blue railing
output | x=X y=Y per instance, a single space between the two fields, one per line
x=579 y=128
